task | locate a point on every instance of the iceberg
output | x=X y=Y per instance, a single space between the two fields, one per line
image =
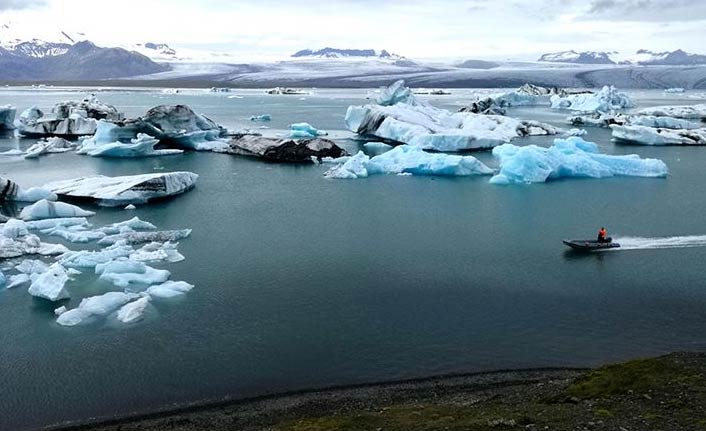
x=688 y=112
x=264 y=117
x=18 y=280
x=606 y=100
x=417 y=123
x=143 y=237
x=658 y=136
x=142 y=146
x=32 y=266
x=169 y=289
x=95 y=306
x=283 y=150
x=50 y=284
x=127 y=226
x=406 y=159
x=305 y=131
x=49 y=145
x=124 y=272
x=45 y=224
x=75 y=234
x=7 y=117
x=67 y=119
x=12 y=192
x=377 y=148
x=119 y=191
x=28 y=245
x=674 y=90
x=90 y=259
x=663 y=122
x=568 y=158
x=14 y=229
x=133 y=311
x=157 y=252
x=45 y=209
x=181 y=126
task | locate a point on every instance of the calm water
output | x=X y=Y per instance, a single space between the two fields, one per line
x=306 y=282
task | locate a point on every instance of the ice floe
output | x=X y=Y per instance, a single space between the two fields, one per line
x=169 y=289
x=95 y=306
x=658 y=136
x=404 y=119
x=607 y=100
x=406 y=159
x=568 y=158
x=118 y=191
x=125 y=272
x=45 y=209
x=51 y=284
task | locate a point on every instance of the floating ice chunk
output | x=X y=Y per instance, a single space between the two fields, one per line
x=606 y=100
x=125 y=272
x=118 y=191
x=127 y=226
x=9 y=191
x=663 y=122
x=169 y=289
x=50 y=284
x=14 y=229
x=305 y=131
x=409 y=160
x=577 y=132
x=394 y=94
x=654 y=136
x=75 y=234
x=419 y=124
x=49 y=145
x=45 y=209
x=61 y=310
x=30 y=267
x=674 y=90
x=130 y=207
x=95 y=306
x=377 y=148
x=89 y=259
x=142 y=146
x=143 y=237
x=18 y=280
x=27 y=245
x=689 y=112
x=158 y=252
x=13 y=152
x=133 y=311
x=7 y=117
x=570 y=158
x=57 y=222
x=264 y=117
x=35 y=194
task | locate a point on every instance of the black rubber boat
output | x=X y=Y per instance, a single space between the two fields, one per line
x=590 y=245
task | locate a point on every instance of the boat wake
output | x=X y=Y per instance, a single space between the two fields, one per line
x=637 y=243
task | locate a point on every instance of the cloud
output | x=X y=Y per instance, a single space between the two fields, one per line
x=21 y=4
x=646 y=10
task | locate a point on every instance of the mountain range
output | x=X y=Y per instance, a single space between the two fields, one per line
x=642 y=57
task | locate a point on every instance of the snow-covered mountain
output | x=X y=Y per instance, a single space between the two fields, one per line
x=641 y=57
x=346 y=53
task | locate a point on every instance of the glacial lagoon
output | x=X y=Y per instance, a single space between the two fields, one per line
x=304 y=282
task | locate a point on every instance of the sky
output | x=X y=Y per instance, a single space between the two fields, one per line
x=443 y=29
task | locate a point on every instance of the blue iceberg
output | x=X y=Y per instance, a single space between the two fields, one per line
x=408 y=160
x=305 y=131
x=263 y=117
x=607 y=100
x=111 y=140
x=568 y=158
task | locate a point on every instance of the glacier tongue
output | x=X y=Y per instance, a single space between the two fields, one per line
x=568 y=158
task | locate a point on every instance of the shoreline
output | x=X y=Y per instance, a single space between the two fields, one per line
x=667 y=392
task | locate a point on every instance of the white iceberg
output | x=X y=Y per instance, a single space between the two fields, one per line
x=568 y=158
x=119 y=191
x=125 y=272
x=89 y=259
x=28 y=245
x=75 y=234
x=377 y=148
x=158 y=252
x=658 y=136
x=95 y=306
x=133 y=311
x=143 y=237
x=688 y=112
x=51 y=284
x=663 y=122
x=406 y=159
x=18 y=280
x=417 y=123
x=14 y=229
x=49 y=145
x=7 y=117
x=131 y=225
x=45 y=209
x=53 y=223
x=607 y=100
x=32 y=266
x=169 y=289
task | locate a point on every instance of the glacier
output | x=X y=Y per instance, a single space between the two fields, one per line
x=568 y=158
x=406 y=159
x=405 y=119
x=120 y=191
x=45 y=209
x=607 y=100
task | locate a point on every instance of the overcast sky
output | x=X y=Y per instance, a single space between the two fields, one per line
x=417 y=29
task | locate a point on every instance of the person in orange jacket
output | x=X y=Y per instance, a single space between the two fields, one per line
x=603 y=235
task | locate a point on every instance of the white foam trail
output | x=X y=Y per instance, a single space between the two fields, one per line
x=637 y=243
